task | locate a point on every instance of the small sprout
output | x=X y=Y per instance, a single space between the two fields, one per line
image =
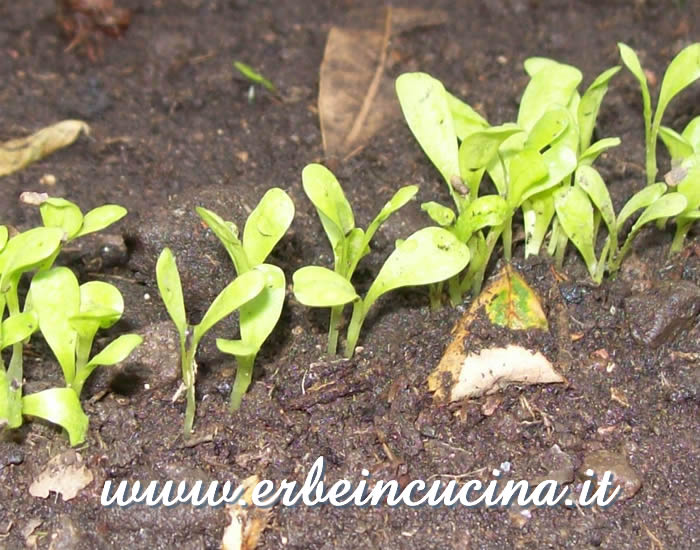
x=349 y=243
x=265 y=226
x=428 y=256
x=243 y=289
x=256 y=78
x=683 y=70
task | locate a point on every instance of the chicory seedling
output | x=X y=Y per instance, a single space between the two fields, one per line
x=264 y=228
x=683 y=70
x=428 y=256
x=349 y=243
x=243 y=289
x=684 y=149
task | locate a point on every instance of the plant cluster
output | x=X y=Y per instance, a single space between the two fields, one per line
x=67 y=314
x=542 y=165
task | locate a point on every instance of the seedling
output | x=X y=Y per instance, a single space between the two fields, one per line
x=683 y=70
x=243 y=289
x=349 y=243
x=528 y=162
x=256 y=78
x=685 y=176
x=69 y=316
x=264 y=228
x=428 y=256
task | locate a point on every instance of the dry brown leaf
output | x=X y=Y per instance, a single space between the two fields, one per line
x=15 y=154
x=247 y=523
x=463 y=374
x=64 y=474
x=356 y=98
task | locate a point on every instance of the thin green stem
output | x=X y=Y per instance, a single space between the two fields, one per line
x=455 y=290
x=508 y=239
x=491 y=240
x=189 y=370
x=435 y=292
x=358 y=318
x=336 y=315
x=682 y=228
x=244 y=374
x=562 y=241
x=15 y=372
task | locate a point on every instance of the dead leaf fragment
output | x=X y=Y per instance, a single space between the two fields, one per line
x=356 y=98
x=495 y=368
x=247 y=522
x=510 y=302
x=64 y=474
x=15 y=154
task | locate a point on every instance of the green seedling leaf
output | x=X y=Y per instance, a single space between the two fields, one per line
x=676 y=144
x=575 y=215
x=18 y=327
x=548 y=128
x=115 y=352
x=511 y=303
x=400 y=198
x=590 y=155
x=170 y=289
x=631 y=61
x=480 y=147
x=560 y=162
x=26 y=251
x=100 y=218
x=441 y=215
x=255 y=77
x=4 y=235
x=259 y=316
x=538 y=212
x=588 y=179
x=640 y=200
x=428 y=256
x=425 y=106
x=486 y=211
x=316 y=286
x=101 y=301
x=227 y=232
x=55 y=297
x=667 y=206
x=244 y=288
x=683 y=70
x=527 y=168
x=63 y=214
x=59 y=406
x=237 y=348
x=692 y=134
x=465 y=119
x=553 y=86
x=267 y=224
x=590 y=105
x=324 y=191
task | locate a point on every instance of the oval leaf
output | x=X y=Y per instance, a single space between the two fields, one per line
x=102 y=301
x=575 y=214
x=27 y=251
x=324 y=191
x=59 y=406
x=18 y=327
x=588 y=179
x=665 y=207
x=640 y=200
x=425 y=106
x=101 y=217
x=594 y=151
x=479 y=148
x=590 y=105
x=441 y=215
x=259 y=316
x=63 y=214
x=316 y=286
x=266 y=225
x=115 y=352
x=548 y=128
x=683 y=70
x=430 y=255
x=244 y=288
x=170 y=289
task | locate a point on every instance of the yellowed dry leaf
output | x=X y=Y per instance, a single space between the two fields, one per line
x=247 y=523
x=64 y=474
x=356 y=98
x=15 y=154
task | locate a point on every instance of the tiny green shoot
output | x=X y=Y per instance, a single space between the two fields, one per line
x=265 y=226
x=430 y=255
x=255 y=77
x=243 y=289
x=349 y=243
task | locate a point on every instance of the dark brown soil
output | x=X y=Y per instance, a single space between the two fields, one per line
x=172 y=127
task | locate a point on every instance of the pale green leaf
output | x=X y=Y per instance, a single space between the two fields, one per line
x=325 y=193
x=59 y=406
x=691 y=133
x=441 y=215
x=486 y=211
x=317 y=286
x=538 y=212
x=27 y=251
x=548 y=127
x=676 y=144
x=683 y=70
x=575 y=215
x=266 y=225
x=227 y=233
x=115 y=352
x=590 y=155
x=18 y=327
x=590 y=105
x=527 y=168
x=101 y=217
x=465 y=119
x=259 y=316
x=61 y=213
x=588 y=179
x=640 y=200
x=236 y=347
x=479 y=148
x=170 y=288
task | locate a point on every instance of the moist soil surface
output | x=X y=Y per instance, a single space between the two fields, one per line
x=173 y=127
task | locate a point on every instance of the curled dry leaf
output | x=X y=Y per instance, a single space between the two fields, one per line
x=247 y=523
x=511 y=303
x=15 y=154
x=356 y=97
x=65 y=474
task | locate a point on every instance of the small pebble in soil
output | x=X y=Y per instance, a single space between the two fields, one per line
x=657 y=315
x=624 y=475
